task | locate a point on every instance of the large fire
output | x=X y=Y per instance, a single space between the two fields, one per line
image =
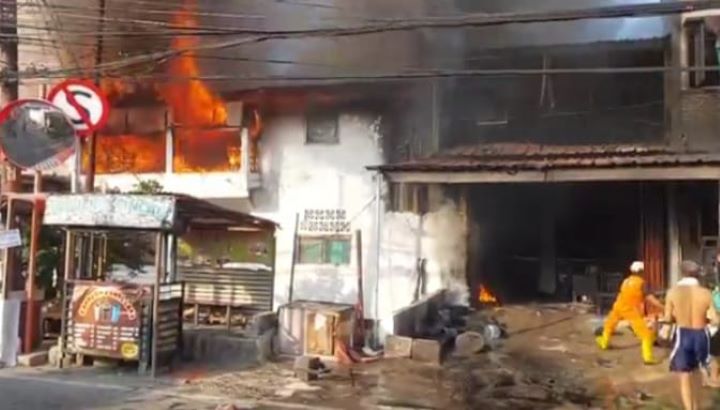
x=202 y=142
x=192 y=102
x=484 y=295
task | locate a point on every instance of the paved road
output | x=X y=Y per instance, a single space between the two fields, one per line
x=29 y=390
x=97 y=389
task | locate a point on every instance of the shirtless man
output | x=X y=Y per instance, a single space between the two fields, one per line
x=714 y=376
x=690 y=305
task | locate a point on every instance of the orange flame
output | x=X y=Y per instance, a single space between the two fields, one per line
x=114 y=88
x=257 y=126
x=484 y=295
x=201 y=142
x=193 y=103
x=128 y=152
x=196 y=108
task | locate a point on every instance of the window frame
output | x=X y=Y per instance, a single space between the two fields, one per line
x=325 y=244
x=695 y=31
x=313 y=117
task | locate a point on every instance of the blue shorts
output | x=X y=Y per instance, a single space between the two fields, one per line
x=691 y=350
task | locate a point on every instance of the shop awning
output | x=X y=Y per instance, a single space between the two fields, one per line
x=150 y=212
x=495 y=163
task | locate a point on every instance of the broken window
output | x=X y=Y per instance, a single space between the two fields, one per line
x=133 y=141
x=322 y=128
x=136 y=153
x=324 y=250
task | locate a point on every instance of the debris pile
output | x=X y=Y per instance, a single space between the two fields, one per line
x=427 y=330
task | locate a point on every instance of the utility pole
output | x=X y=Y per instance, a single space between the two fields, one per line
x=10 y=173
x=92 y=139
x=8 y=94
x=8 y=50
x=8 y=77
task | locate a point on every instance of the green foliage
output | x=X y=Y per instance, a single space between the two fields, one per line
x=147 y=186
x=49 y=255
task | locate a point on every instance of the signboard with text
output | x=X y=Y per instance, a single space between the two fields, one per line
x=10 y=238
x=107 y=319
x=111 y=210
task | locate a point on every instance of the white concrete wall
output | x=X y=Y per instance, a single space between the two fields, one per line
x=297 y=176
x=202 y=185
x=440 y=238
x=401 y=249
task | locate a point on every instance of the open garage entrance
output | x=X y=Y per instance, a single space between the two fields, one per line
x=560 y=226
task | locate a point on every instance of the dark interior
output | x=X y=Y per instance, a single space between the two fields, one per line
x=590 y=226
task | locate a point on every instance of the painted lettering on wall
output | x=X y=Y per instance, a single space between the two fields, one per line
x=325 y=221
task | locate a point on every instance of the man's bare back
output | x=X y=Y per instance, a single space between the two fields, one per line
x=690 y=306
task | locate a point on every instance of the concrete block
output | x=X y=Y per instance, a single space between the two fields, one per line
x=263 y=322
x=427 y=351
x=398 y=346
x=189 y=342
x=33 y=359
x=265 y=345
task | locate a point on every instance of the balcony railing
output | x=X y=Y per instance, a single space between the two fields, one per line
x=237 y=181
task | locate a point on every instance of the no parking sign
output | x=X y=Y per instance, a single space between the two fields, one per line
x=83 y=102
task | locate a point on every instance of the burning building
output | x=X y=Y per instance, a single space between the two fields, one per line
x=564 y=179
x=180 y=133
x=500 y=187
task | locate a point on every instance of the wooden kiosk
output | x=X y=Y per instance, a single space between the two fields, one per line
x=130 y=314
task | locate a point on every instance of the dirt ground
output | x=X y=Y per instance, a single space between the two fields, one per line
x=548 y=361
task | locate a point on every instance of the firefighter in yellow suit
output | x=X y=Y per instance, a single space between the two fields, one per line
x=629 y=305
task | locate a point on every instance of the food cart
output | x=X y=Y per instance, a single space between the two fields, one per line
x=129 y=311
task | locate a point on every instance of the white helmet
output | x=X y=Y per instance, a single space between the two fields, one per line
x=637 y=267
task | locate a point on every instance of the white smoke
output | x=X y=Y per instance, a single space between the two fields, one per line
x=444 y=246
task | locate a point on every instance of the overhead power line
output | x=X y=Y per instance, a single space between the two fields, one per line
x=129 y=10
x=471 y=20
x=388 y=25
x=485 y=20
x=405 y=75
x=441 y=22
x=141 y=10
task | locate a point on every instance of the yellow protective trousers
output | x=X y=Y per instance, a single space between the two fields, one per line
x=631 y=314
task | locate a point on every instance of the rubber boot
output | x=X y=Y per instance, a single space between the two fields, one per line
x=603 y=341
x=647 y=352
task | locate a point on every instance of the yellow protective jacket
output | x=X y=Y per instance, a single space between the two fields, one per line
x=632 y=294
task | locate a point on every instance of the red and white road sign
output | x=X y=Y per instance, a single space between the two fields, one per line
x=83 y=102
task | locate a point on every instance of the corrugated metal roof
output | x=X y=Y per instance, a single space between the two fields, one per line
x=529 y=157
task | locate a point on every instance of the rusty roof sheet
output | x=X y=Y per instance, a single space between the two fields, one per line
x=530 y=157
